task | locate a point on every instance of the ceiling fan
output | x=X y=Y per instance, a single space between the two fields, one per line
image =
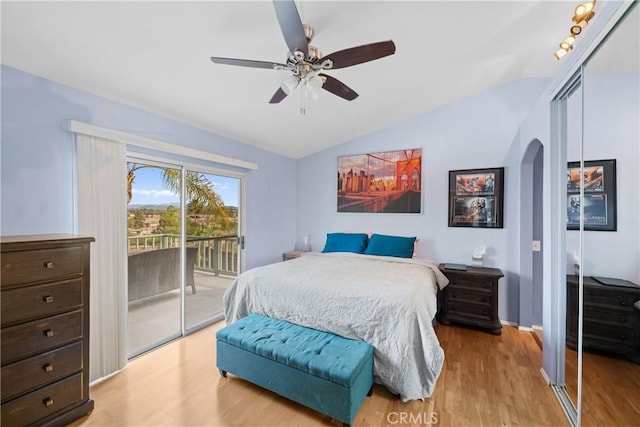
x=306 y=62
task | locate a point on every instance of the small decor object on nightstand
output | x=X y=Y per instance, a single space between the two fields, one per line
x=471 y=298
x=291 y=255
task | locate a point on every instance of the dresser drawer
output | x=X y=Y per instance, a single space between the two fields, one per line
x=609 y=299
x=44 y=402
x=456 y=295
x=40 y=335
x=470 y=283
x=40 y=370
x=466 y=311
x=610 y=334
x=32 y=302
x=617 y=317
x=39 y=265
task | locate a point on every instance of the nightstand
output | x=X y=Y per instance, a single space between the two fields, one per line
x=471 y=298
x=291 y=255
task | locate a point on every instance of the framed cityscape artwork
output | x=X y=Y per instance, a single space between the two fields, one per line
x=386 y=182
x=476 y=198
x=598 y=200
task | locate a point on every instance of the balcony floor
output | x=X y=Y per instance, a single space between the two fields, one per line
x=152 y=320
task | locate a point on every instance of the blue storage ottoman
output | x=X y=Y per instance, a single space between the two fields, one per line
x=322 y=371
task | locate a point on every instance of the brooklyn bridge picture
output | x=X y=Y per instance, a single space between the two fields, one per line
x=388 y=182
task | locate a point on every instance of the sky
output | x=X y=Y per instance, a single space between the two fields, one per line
x=148 y=188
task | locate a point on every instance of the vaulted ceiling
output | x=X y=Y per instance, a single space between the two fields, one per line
x=156 y=56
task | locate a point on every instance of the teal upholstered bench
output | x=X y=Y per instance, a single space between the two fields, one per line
x=322 y=371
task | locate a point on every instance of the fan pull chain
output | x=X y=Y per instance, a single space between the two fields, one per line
x=303 y=100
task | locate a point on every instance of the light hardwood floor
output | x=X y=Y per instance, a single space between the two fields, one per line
x=486 y=381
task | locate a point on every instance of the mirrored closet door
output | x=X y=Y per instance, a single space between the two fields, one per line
x=610 y=204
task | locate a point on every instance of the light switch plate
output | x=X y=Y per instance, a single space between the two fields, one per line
x=536 y=246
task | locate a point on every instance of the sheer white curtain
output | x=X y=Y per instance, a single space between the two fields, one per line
x=102 y=203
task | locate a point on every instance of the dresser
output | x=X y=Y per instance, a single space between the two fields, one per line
x=44 y=285
x=471 y=298
x=611 y=323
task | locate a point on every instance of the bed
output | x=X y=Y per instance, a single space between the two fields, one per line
x=386 y=301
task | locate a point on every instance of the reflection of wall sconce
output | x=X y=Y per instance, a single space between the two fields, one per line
x=583 y=13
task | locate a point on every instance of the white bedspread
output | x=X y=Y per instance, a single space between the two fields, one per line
x=387 y=302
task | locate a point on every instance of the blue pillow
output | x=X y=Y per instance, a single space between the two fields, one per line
x=346 y=242
x=397 y=246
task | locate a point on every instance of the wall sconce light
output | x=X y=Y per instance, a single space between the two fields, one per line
x=583 y=13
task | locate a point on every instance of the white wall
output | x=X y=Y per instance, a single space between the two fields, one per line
x=477 y=132
x=38 y=159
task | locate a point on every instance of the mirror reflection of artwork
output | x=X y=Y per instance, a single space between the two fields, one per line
x=598 y=178
x=476 y=198
x=593 y=179
x=595 y=209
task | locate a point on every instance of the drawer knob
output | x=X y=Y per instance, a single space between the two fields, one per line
x=48 y=333
x=623 y=336
x=48 y=264
x=623 y=303
x=484 y=299
x=484 y=312
x=47 y=402
x=623 y=320
x=484 y=285
x=48 y=367
x=453 y=294
x=48 y=299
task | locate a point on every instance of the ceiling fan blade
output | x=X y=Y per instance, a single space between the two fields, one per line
x=278 y=96
x=336 y=87
x=249 y=63
x=359 y=54
x=291 y=25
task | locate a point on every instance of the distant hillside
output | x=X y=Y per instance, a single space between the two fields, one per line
x=152 y=207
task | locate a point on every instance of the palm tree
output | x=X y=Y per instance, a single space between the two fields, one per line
x=201 y=196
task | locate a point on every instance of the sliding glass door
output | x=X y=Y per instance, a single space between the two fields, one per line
x=154 y=228
x=183 y=252
x=212 y=244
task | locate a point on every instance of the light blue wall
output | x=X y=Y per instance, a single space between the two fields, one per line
x=38 y=162
x=479 y=131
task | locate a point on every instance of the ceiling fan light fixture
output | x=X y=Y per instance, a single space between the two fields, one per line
x=290 y=84
x=308 y=32
x=314 y=53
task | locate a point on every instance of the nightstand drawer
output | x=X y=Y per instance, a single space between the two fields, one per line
x=457 y=295
x=40 y=335
x=464 y=311
x=470 y=283
x=39 y=265
x=32 y=302
x=40 y=370
x=43 y=402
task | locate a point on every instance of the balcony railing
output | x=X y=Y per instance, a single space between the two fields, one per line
x=217 y=255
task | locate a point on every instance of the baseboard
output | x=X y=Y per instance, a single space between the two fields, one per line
x=545 y=376
x=537 y=328
x=506 y=322
x=525 y=329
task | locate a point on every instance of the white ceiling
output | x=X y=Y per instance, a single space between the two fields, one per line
x=156 y=56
